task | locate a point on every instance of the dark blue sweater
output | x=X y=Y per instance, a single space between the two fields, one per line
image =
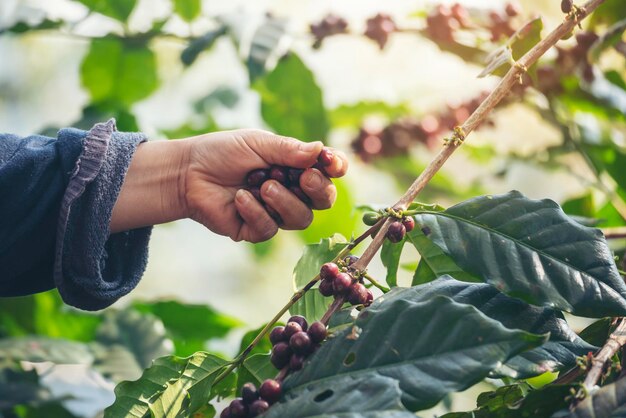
x=56 y=199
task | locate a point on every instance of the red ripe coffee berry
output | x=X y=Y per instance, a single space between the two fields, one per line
x=300 y=343
x=257 y=177
x=341 y=283
x=278 y=361
x=238 y=409
x=294 y=176
x=249 y=393
x=258 y=407
x=270 y=391
x=296 y=362
x=396 y=231
x=317 y=332
x=300 y=320
x=226 y=413
x=326 y=157
x=370 y=298
x=409 y=223
x=282 y=350
x=277 y=335
x=291 y=328
x=280 y=174
x=300 y=194
x=357 y=295
x=329 y=271
x=326 y=287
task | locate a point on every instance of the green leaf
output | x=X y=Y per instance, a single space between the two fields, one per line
x=117 y=9
x=390 y=256
x=188 y=9
x=171 y=387
x=612 y=36
x=530 y=249
x=347 y=397
x=255 y=369
x=291 y=101
x=608 y=402
x=189 y=326
x=597 y=332
x=431 y=348
x=558 y=353
x=203 y=43
x=313 y=305
x=352 y=115
x=119 y=73
x=263 y=347
x=38 y=349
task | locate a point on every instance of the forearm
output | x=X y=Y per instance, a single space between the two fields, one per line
x=153 y=188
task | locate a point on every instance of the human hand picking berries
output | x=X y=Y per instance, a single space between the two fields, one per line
x=206 y=178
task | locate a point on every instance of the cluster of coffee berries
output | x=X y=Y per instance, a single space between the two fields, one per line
x=287 y=176
x=294 y=342
x=337 y=280
x=399 y=227
x=328 y=26
x=379 y=28
x=253 y=402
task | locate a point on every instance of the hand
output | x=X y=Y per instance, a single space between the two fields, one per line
x=203 y=178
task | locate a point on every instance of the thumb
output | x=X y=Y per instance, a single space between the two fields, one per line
x=282 y=150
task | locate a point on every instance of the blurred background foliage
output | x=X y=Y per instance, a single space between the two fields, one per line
x=383 y=83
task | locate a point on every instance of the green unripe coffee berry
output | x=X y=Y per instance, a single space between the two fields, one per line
x=371 y=218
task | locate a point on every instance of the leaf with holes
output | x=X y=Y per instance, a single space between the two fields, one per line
x=349 y=397
x=432 y=348
x=530 y=249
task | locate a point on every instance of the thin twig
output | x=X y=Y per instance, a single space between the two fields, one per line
x=334 y=307
x=616 y=340
x=614 y=233
x=480 y=114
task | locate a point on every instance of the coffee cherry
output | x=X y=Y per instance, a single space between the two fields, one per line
x=300 y=320
x=379 y=28
x=226 y=413
x=341 y=283
x=294 y=176
x=567 y=5
x=291 y=328
x=279 y=174
x=300 y=194
x=278 y=361
x=396 y=231
x=329 y=271
x=370 y=298
x=258 y=407
x=300 y=343
x=513 y=9
x=249 y=393
x=326 y=287
x=256 y=192
x=371 y=218
x=296 y=362
x=317 y=332
x=326 y=157
x=277 y=335
x=257 y=177
x=270 y=391
x=273 y=214
x=409 y=223
x=238 y=409
x=357 y=294
x=330 y=25
x=350 y=260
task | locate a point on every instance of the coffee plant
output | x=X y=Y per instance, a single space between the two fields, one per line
x=497 y=276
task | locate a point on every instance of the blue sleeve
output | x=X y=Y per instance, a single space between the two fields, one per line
x=56 y=200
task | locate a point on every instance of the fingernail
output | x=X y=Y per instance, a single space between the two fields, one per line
x=271 y=190
x=315 y=180
x=242 y=196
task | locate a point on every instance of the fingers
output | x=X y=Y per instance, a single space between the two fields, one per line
x=319 y=188
x=257 y=224
x=339 y=165
x=294 y=213
x=282 y=150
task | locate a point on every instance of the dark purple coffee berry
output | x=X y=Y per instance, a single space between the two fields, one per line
x=296 y=362
x=292 y=328
x=317 y=332
x=249 y=393
x=300 y=194
x=280 y=174
x=226 y=413
x=341 y=283
x=294 y=176
x=326 y=287
x=256 y=192
x=409 y=223
x=258 y=407
x=350 y=260
x=270 y=391
x=300 y=343
x=282 y=350
x=238 y=409
x=300 y=320
x=258 y=177
x=567 y=5
x=329 y=271
x=396 y=231
x=370 y=298
x=326 y=157
x=273 y=214
x=278 y=361
x=277 y=335
x=357 y=295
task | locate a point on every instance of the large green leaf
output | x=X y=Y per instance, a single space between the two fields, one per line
x=390 y=256
x=352 y=115
x=118 y=73
x=313 y=304
x=530 y=249
x=608 y=402
x=291 y=101
x=117 y=9
x=188 y=9
x=171 y=387
x=189 y=326
x=38 y=349
x=348 y=397
x=432 y=348
x=255 y=369
x=558 y=353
